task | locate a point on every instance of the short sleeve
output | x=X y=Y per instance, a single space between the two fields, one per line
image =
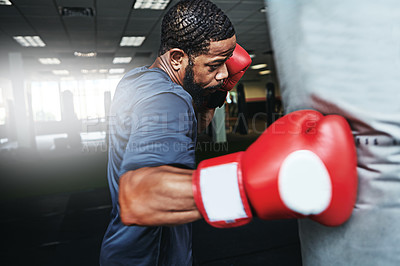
x=162 y=129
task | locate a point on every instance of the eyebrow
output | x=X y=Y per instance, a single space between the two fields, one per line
x=218 y=61
x=227 y=54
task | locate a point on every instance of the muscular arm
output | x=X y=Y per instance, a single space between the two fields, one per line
x=154 y=196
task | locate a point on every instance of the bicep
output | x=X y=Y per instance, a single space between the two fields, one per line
x=161 y=133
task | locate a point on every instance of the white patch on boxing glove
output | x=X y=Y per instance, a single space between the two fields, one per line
x=304 y=183
x=220 y=193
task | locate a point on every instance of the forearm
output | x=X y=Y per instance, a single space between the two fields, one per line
x=156 y=196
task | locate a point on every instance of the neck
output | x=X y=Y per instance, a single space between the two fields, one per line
x=162 y=62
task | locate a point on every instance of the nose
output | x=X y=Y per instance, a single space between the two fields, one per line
x=222 y=73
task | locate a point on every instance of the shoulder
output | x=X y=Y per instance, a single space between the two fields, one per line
x=145 y=84
x=166 y=102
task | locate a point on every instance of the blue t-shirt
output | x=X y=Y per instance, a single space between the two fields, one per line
x=152 y=123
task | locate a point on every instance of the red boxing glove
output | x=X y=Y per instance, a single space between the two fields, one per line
x=303 y=165
x=237 y=65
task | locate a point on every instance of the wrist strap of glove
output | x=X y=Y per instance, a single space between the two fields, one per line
x=219 y=192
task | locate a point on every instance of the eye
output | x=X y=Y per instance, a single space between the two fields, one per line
x=214 y=67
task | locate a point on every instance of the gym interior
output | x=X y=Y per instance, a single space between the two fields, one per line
x=60 y=62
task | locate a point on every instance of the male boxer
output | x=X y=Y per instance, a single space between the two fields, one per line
x=155 y=114
x=343 y=57
x=153 y=129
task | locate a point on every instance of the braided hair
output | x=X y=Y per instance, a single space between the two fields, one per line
x=191 y=25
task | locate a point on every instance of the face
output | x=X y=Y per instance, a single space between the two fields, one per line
x=207 y=72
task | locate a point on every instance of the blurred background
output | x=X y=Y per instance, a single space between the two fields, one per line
x=60 y=62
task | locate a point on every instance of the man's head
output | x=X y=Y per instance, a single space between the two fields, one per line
x=199 y=36
x=192 y=24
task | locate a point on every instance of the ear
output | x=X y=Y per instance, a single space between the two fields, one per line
x=178 y=58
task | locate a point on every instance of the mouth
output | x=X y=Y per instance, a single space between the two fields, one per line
x=209 y=91
x=212 y=89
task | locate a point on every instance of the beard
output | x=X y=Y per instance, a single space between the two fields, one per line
x=197 y=92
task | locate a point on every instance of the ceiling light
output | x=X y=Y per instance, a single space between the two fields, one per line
x=5 y=3
x=76 y=11
x=265 y=72
x=103 y=71
x=89 y=54
x=50 y=61
x=122 y=60
x=116 y=70
x=87 y=71
x=60 y=72
x=29 y=41
x=151 y=4
x=132 y=40
x=259 y=66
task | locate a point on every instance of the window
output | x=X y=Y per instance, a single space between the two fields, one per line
x=2 y=108
x=46 y=101
x=89 y=96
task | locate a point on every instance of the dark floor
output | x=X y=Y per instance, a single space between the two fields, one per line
x=55 y=208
